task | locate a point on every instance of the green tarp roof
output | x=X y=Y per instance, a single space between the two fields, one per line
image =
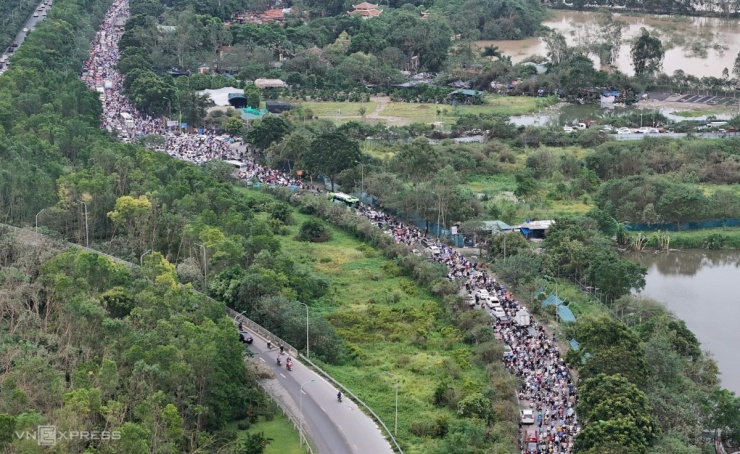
x=566 y=315
x=552 y=300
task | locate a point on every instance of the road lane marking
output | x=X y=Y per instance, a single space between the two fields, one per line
x=263 y=360
x=322 y=408
x=304 y=392
x=282 y=375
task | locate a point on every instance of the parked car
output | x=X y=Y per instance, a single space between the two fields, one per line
x=653 y=131
x=624 y=131
x=568 y=129
x=482 y=293
x=245 y=337
x=643 y=130
x=527 y=417
x=25 y=30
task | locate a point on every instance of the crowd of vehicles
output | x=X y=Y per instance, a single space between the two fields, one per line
x=38 y=14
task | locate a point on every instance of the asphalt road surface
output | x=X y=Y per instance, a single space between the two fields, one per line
x=30 y=23
x=332 y=427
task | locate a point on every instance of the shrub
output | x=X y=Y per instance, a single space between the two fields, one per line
x=314 y=231
x=422 y=428
x=244 y=425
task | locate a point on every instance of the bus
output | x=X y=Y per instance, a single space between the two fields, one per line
x=340 y=197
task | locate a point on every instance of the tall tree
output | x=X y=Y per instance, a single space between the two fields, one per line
x=330 y=154
x=647 y=54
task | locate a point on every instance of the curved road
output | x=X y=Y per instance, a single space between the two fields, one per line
x=333 y=427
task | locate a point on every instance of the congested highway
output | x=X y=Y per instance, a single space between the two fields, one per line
x=37 y=16
x=547 y=388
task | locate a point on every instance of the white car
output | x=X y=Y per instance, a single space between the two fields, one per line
x=482 y=293
x=499 y=312
x=653 y=131
x=643 y=130
x=25 y=30
x=568 y=129
x=527 y=417
x=624 y=131
x=433 y=250
x=607 y=128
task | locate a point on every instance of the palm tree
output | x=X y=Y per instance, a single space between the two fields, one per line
x=491 y=51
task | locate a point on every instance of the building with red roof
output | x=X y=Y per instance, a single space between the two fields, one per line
x=366 y=10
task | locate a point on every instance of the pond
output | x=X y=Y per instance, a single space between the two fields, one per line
x=700 y=46
x=702 y=288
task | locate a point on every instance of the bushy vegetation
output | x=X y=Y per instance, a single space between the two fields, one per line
x=630 y=349
x=107 y=348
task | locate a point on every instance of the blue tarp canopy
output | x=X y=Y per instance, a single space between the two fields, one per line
x=552 y=300
x=574 y=344
x=566 y=314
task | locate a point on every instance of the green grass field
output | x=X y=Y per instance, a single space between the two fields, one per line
x=339 y=109
x=406 y=113
x=389 y=324
x=284 y=438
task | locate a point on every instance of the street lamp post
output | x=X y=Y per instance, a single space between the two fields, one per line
x=37 y=220
x=205 y=267
x=362 y=176
x=301 y=404
x=141 y=259
x=395 y=428
x=87 y=237
x=308 y=350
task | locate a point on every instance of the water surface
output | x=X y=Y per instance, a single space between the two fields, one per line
x=700 y=46
x=702 y=288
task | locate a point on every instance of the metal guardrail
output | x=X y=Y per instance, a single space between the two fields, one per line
x=256 y=328
x=354 y=397
x=289 y=415
x=250 y=324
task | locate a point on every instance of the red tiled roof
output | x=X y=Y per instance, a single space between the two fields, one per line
x=365 y=5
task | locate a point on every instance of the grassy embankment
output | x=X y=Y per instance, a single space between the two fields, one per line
x=279 y=429
x=389 y=324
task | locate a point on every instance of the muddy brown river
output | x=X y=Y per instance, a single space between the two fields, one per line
x=702 y=288
x=699 y=46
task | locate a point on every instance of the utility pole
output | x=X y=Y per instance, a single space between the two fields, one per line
x=395 y=428
x=141 y=259
x=37 y=220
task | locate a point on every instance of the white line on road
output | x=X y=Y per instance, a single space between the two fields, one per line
x=322 y=408
x=282 y=375
x=263 y=360
x=304 y=392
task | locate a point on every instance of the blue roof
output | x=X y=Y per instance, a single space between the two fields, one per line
x=566 y=315
x=552 y=300
x=574 y=344
x=468 y=92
